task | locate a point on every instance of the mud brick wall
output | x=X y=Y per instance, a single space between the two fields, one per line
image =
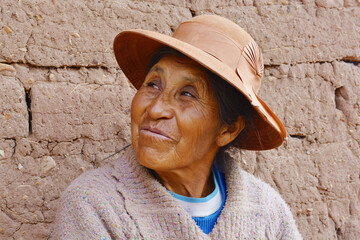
x=64 y=103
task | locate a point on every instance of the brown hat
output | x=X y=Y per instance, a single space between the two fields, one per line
x=219 y=45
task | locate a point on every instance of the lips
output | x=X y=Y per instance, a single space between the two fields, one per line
x=155 y=132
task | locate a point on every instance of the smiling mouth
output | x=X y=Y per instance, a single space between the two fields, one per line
x=155 y=132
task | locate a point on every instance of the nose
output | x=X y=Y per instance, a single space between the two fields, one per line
x=160 y=108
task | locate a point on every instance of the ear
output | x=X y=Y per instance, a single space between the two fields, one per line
x=228 y=133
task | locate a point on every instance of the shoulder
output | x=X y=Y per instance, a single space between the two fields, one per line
x=88 y=204
x=267 y=199
x=98 y=185
x=249 y=188
x=92 y=192
x=104 y=180
x=263 y=195
x=258 y=190
x=94 y=182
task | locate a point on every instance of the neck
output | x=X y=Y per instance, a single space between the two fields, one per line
x=190 y=182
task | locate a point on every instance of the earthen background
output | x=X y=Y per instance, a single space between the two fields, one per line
x=64 y=103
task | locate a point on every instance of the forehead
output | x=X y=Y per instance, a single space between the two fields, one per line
x=184 y=67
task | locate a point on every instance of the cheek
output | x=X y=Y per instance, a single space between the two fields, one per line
x=137 y=107
x=136 y=112
x=199 y=129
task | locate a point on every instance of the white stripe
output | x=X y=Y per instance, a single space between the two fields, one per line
x=202 y=209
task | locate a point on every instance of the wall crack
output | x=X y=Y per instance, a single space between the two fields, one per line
x=28 y=104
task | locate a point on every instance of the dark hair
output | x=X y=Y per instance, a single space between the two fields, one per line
x=232 y=103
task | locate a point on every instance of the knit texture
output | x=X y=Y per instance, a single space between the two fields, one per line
x=124 y=201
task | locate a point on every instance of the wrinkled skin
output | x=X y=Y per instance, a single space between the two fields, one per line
x=175 y=125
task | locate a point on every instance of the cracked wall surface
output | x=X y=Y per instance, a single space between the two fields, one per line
x=65 y=105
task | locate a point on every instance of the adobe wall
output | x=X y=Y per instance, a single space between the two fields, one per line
x=64 y=103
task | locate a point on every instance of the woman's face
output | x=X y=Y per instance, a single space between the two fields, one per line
x=175 y=116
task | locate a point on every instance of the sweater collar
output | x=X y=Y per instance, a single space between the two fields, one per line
x=138 y=185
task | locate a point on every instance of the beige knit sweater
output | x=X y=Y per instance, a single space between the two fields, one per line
x=124 y=201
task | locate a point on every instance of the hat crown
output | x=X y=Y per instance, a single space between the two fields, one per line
x=227 y=42
x=226 y=26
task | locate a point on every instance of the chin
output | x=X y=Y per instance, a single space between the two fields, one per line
x=149 y=158
x=156 y=161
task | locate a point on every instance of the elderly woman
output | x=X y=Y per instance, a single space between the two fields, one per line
x=196 y=97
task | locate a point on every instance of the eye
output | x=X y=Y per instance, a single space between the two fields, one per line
x=152 y=84
x=187 y=94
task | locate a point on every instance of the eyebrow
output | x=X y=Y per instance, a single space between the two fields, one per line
x=189 y=79
x=158 y=69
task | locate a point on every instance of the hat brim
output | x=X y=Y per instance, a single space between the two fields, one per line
x=134 y=49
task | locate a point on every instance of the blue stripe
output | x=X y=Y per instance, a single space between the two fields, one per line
x=206 y=224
